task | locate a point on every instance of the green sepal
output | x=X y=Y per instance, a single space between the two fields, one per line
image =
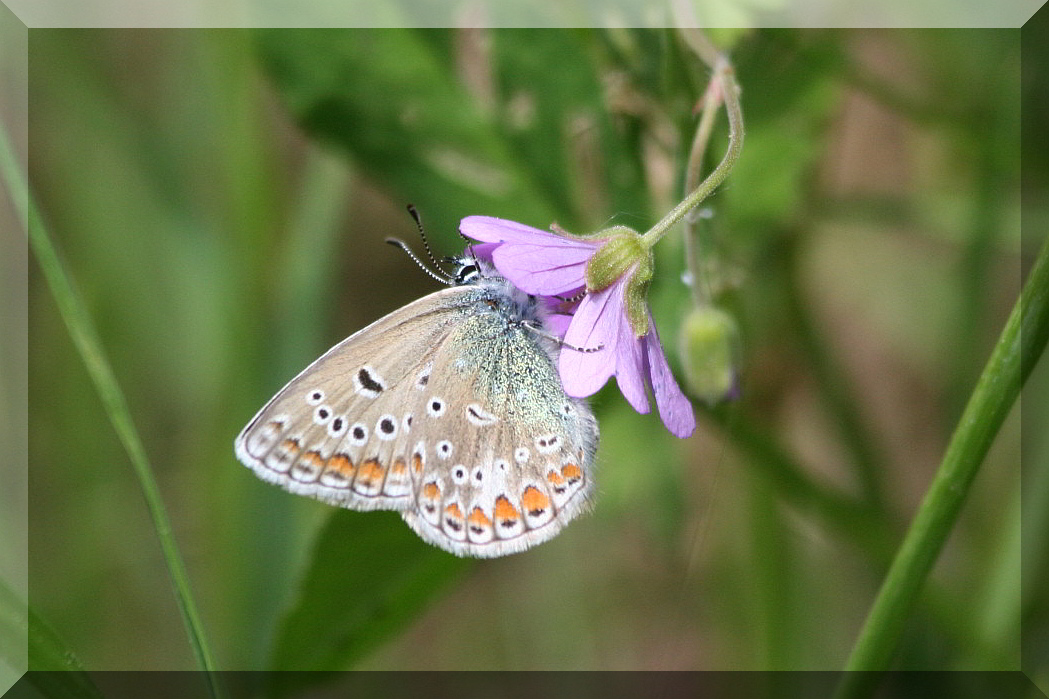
x=622 y=251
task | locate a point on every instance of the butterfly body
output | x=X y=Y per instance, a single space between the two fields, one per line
x=449 y=410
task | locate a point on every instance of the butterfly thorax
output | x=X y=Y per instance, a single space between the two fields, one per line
x=517 y=307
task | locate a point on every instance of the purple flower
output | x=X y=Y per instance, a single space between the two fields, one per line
x=609 y=316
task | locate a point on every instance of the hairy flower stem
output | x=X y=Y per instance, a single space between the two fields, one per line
x=711 y=102
x=725 y=77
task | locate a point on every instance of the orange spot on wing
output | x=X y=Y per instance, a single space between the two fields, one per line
x=571 y=472
x=417 y=462
x=453 y=511
x=505 y=510
x=371 y=472
x=291 y=446
x=478 y=518
x=555 y=478
x=342 y=464
x=399 y=467
x=534 y=501
x=314 y=459
x=431 y=491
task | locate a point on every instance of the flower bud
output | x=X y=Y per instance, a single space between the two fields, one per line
x=709 y=345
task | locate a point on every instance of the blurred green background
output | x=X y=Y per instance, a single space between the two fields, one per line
x=220 y=199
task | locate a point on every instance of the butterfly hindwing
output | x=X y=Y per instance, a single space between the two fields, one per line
x=505 y=454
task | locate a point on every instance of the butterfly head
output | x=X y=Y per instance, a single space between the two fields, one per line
x=468 y=270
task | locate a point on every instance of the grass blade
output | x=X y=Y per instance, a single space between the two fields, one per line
x=88 y=346
x=1018 y=349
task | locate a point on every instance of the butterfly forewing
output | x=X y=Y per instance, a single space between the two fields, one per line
x=339 y=431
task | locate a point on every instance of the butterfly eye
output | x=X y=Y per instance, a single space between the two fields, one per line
x=467 y=273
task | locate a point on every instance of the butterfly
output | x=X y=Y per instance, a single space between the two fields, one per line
x=449 y=410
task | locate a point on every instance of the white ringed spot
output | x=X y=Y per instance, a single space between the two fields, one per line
x=386 y=428
x=458 y=474
x=337 y=426
x=321 y=415
x=547 y=443
x=358 y=435
x=368 y=383
x=424 y=377
x=479 y=416
x=436 y=406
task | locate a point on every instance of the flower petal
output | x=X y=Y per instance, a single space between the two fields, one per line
x=490 y=229
x=535 y=261
x=557 y=323
x=593 y=325
x=482 y=251
x=545 y=270
x=674 y=408
x=630 y=365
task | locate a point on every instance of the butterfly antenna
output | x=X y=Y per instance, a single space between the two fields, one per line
x=469 y=244
x=443 y=277
x=538 y=330
x=422 y=234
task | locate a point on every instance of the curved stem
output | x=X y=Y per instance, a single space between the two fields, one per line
x=1019 y=347
x=725 y=75
x=711 y=102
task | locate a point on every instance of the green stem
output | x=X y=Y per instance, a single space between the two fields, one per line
x=83 y=335
x=700 y=290
x=725 y=75
x=1018 y=349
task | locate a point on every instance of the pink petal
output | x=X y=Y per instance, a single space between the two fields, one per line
x=542 y=269
x=630 y=362
x=482 y=251
x=674 y=408
x=593 y=325
x=500 y=230
x=557 y=323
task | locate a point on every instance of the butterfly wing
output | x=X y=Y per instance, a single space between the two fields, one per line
x=502 y=457
x=339 y=430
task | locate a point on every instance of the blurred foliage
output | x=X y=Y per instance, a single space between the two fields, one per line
x=220 y=199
